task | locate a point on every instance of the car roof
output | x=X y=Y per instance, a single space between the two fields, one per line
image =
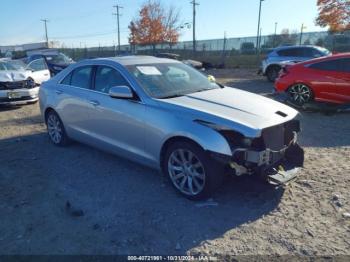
x=137 y=60
x=294 y=46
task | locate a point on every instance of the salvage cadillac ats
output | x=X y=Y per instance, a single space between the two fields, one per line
x=167 y=115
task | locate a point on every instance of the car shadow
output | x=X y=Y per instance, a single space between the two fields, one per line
x=127 y=208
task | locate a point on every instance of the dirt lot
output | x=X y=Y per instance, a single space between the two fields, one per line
x=130 y=209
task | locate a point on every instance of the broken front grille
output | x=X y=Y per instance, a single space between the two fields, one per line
x=16 y=85
x=280 y=136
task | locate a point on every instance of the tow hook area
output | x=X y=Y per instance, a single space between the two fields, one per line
x=281 y=176
x=288 y=169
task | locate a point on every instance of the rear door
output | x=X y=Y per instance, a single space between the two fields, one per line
x=73 y=102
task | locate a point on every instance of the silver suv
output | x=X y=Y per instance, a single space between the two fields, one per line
x=272 y=64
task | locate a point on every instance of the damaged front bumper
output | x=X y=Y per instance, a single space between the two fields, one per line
x=20 y=96
x=276 y=167
x=286 y=169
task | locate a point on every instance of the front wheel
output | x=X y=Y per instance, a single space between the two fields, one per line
x=55 y=129
x=300 y=94
x=191 y=171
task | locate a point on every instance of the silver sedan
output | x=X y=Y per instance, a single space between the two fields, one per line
x=167 y=115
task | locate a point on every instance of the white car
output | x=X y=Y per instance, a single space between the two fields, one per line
x=19 y=83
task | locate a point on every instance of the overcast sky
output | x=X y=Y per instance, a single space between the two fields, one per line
x=90 y=22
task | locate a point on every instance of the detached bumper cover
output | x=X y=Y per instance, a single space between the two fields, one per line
x=287 y=168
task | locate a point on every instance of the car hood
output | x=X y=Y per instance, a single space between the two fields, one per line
x=13 y=75
x=232 y=108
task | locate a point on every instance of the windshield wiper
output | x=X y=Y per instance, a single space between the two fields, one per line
x=171 y=96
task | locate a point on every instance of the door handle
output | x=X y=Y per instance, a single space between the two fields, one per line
x=59 y=92
x=94 y=102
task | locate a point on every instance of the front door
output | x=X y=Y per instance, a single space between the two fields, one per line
x=117 y=123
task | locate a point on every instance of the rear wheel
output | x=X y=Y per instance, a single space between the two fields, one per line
x=300 y=94
x=272 y=73
x=191 y=171
x=55 y=129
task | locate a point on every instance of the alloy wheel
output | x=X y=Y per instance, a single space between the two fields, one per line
x=54 y=128
x=186 y=172
x=300 y=93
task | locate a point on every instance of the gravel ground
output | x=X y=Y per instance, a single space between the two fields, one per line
x=79 y=200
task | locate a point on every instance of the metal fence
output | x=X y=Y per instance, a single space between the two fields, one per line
x=230 y=52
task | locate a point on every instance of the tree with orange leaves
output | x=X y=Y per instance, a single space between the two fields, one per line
x=335 y=14
x=155 y=25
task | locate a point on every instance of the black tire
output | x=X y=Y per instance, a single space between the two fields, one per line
x=298 y=90
x=212 y=170
x=62 y=139
x=272 y=73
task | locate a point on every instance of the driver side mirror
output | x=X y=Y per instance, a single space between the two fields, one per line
x=120 y=92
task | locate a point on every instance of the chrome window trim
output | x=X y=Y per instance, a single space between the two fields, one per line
x=140 y=101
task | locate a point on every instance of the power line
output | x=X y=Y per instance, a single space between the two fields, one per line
x=46 y=36
x=86 y=35
x=117 y=7
x=194 y=4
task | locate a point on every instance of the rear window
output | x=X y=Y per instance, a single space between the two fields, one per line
x=295 y=52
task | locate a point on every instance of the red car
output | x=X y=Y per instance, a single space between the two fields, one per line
x=324 y=79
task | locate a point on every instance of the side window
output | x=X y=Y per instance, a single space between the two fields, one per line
x=38 y=65
x=67 y=79
x=107 y=77
x=333 y=65
x=35 y=57
x=289 y=52
x=311 y=52
x=81 y=77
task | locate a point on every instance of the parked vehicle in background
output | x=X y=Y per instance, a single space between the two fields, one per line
x=17 y=87
x=36 y=69
x=324 y=79
x=165 y=114
x=248 y=48
x=273 y=62
x=196 y=64
x=55 y=60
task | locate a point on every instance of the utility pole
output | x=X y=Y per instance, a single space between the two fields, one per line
x=301 y=33
x=257 y=35
x=46 y=37
x=194 y=4
x=224 y=50
x=274 y=37
x=118 y=7
x=260 y=38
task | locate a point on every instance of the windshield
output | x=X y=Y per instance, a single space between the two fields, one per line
x=18 y=64
x=7 y=66
x=170 y=79
x=58 y=59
